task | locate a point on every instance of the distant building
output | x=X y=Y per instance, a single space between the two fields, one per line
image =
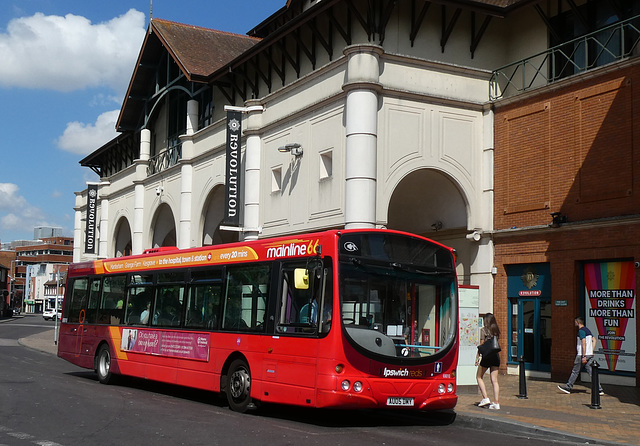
x=41 y=232
x=33 y=268
x=11 y=246
x=45 y=286
x=4 y=287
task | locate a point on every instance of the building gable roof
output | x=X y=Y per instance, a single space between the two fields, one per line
x=200 y=51
x=197 y=51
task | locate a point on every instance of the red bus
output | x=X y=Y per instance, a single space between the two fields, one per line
x=338 y=319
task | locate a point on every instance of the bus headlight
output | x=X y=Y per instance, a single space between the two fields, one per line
x=450 y=388
x=357 y=386
x=345 y=385
x=440 y=388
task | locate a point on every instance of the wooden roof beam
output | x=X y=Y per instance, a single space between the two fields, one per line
x=475 y=38
x=447 y=28
x=346 y=34
x=416 y=21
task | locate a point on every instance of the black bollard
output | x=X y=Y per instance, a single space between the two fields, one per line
x=595 y=386
x=523 y=380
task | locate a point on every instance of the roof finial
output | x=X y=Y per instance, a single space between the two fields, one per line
x=150 y=15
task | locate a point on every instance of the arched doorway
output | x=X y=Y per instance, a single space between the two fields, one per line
x=427 y=202
x=164 y=228
x=213 y=213
x=122 y=238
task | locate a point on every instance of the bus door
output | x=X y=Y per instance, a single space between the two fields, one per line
x=82 y=307
x=74 y=317
x=91 y=310
x=303 y=315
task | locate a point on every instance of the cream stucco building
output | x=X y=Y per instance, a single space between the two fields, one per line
x=388 y=111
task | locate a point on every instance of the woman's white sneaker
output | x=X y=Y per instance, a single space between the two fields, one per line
x=494 y=406
x=484 y=402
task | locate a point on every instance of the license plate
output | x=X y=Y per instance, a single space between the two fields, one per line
x=399 y=401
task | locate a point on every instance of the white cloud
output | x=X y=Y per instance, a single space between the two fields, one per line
x=83 y=139
x=16 y=213
x=70 y=53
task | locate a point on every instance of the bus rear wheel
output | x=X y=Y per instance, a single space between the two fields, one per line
x=238 y=387
x=103 y=365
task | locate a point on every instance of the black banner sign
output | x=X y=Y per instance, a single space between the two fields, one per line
x=90 y=227
x=232 y=196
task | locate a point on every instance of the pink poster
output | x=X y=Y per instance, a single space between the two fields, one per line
x=166 y=343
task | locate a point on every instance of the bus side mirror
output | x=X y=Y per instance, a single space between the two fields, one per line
x=301 y=278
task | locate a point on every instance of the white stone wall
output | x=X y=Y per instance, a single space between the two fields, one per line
x=431 y=137
x=429 y=118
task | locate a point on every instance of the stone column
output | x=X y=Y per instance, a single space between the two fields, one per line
x=78 y=241
x=186 y=177
x=362 y=87
x=252 y=158
x=138 y=197
x=103 y=245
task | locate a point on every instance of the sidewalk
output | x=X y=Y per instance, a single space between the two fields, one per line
x=549 y=409
x=545 y=410
x=42 y=341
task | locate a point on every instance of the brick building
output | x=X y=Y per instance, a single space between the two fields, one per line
x=33 y=266
x=567 y=201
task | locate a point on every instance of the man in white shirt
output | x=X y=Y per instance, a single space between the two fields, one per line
x=585 y=348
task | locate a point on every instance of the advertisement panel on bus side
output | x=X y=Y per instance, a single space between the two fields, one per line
x=289 y=248
x=175 y=344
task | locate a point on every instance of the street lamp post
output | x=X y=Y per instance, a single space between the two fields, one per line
x=57 y=321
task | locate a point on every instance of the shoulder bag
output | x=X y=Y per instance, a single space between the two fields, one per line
x=489 y=347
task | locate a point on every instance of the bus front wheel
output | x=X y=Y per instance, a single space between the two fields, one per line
x=238 y=387
x=103 y=365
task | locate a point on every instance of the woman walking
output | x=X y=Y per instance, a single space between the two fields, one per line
x=491 y=362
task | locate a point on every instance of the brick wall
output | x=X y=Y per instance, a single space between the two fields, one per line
x=573 y=150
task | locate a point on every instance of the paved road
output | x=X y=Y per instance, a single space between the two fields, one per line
x=47 y=401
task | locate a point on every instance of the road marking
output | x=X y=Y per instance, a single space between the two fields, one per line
x=20 y=435
x=32 y=325
x=25 y=436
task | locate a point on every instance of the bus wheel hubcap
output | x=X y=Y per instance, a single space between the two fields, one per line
x=105 y=364
x=240 y=384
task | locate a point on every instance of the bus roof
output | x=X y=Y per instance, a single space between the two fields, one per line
x=283 y=247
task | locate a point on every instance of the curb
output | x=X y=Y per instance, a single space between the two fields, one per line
x=500 y=425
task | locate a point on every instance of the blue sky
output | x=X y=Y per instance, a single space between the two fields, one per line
x=65 y=66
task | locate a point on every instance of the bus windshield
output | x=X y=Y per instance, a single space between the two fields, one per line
x=398 y=296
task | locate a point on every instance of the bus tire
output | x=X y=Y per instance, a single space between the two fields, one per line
x=103 y=365
x=238 y=388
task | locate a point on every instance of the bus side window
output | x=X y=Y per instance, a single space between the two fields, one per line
x=168 y=306
x=139 y=306
x=95 y=290
x=203 y=306
x=289 y=308
x=78 y=299
x=139 y=299
x=111 y=308
x=299 y=306
x=245 y=307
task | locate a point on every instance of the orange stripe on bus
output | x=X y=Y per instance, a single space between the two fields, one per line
x=116 y=339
